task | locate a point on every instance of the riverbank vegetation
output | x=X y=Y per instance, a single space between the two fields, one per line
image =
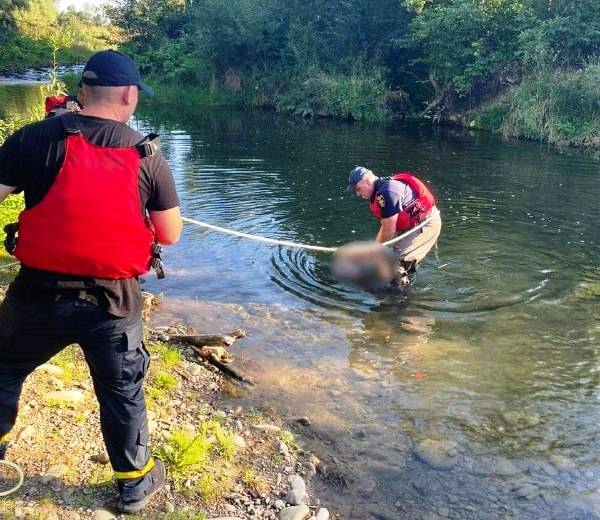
x=32 y=32
x=523 y=68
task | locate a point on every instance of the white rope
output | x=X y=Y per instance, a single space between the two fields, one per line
x=294 y=244
x=274 y=241
x=19 y=473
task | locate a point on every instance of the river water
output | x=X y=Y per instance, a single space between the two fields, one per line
x=492 y=359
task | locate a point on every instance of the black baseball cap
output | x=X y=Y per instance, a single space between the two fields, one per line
x=113 y=69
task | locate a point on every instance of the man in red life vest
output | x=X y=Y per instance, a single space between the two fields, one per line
x=98 y=198
x=400 y=203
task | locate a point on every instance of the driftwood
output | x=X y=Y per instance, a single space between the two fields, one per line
x=215 y=361
x=211 y=340
x=211 y=348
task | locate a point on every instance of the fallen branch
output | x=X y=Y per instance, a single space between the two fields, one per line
x=213 y=360
x=208 y=340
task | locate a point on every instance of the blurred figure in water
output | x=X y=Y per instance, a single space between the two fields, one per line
x=400 y=203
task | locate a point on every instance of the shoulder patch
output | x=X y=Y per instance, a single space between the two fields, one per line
x=380 y=200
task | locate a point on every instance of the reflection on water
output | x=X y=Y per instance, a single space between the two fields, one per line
x=493 y=354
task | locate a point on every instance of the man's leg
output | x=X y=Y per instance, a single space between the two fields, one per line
x=118 y=363
x=27 y=340
x=410 y=251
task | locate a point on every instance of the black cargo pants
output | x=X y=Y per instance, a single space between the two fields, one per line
x=32 y=332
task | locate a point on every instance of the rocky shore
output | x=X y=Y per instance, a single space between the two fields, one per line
x=251 y=466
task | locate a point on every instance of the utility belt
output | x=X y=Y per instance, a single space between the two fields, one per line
x=156 y=261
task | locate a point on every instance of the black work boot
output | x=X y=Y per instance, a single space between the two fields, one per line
x=135 y=493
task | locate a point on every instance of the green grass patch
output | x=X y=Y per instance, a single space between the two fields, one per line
x=169 y=355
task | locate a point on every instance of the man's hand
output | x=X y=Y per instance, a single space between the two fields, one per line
x=387 y=231
x=167 y=225
x=5 y=191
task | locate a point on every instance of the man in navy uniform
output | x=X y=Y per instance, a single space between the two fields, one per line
x=99 y=197
x=400 y=203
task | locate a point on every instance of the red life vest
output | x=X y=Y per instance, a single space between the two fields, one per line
x=90 y=223
x=413 y=214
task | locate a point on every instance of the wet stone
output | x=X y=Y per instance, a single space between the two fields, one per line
x=526 y=491
x=440 y=455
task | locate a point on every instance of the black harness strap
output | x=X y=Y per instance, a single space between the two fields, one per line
x=149 y=146
x=69 y=123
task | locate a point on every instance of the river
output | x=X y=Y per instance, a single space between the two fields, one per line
x=492 y=361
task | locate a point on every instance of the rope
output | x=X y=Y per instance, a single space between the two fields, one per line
x=274 y=241
x=288 y=243
x=19 y=472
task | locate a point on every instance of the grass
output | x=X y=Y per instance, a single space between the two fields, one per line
x=552 y=105
x=169 y=355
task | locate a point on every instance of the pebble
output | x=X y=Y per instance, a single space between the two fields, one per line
x=230 y=508
x=195 y=370
x=25 y=433
x=239 y=441
x=65 y=396
x=266 y=428
x=279 y=504
x=54 y=472
x=297 y=494
x=169 y=507
x=294 y=513
x=322 y=514
x=56 y=383
x=103 y=514
x=437 y=454
x=50 y=369
x=297 y=482
x=296 y=497
x=101 y=458
x=283 y=449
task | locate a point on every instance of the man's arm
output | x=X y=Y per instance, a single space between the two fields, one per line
x=387 y=230
x=5 y=191
x=167 y=225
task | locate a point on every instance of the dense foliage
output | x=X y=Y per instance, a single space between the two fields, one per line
x=32 y=31
x=364 y=60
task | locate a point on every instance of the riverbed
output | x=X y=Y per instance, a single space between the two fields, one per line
x=474 y=396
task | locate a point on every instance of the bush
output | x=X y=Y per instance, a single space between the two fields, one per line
x=359 y=96
x=557 y=106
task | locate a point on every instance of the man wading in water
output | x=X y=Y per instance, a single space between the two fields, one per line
x=400 y=203
x=89 y=182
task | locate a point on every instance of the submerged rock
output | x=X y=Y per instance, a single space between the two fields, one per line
x=439 y=455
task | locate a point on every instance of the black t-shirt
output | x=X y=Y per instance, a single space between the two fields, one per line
x=31 y=158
